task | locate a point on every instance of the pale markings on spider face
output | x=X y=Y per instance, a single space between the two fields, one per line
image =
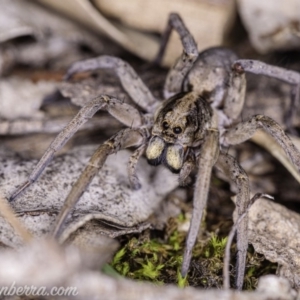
x=155 y=148
x=174 y=157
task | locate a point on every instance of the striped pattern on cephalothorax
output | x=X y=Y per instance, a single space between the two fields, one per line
x=179 y=124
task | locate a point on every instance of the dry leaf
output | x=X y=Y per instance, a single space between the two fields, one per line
x=145 y=46
x=271 y=26
x=47 y=39
x=109 y=197
x=199 y=15
x=274 y=231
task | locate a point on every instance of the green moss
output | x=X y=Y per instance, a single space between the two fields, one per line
x=159 y=260
x=207 y=265
x=256 y=266
x=182 y=281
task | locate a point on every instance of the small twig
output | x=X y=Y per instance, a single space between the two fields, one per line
x=226 y=261
x=8 y=214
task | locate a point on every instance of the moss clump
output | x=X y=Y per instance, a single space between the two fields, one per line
x=256 y=266
x=152 y=259
x=159 y=260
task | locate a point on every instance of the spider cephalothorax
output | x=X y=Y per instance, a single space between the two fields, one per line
x=186 y=132
x=180 y=124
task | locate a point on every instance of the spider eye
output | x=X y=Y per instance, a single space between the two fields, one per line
x=165 y=125
x=177 y=130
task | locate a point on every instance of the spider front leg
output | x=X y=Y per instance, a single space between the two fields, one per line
x=185 y=62
x=257 y=67
x=230 y=167
x=245 y=130
x=188 y=166
x=206 y=161
x=133 y=179
x=123 y=139
x=125 y=113
x=130 y=81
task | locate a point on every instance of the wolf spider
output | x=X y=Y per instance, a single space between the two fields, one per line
x=188 y=131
